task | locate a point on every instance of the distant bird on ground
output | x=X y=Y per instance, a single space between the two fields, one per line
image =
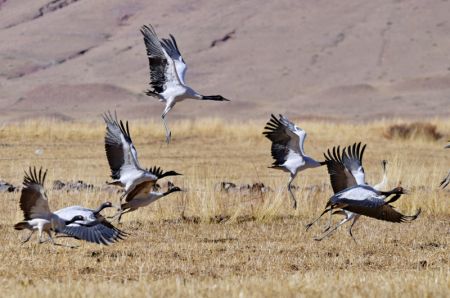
x=167 y=73
x=123 y=160
x=446 y=180
x=37 y=214
x=143 y=198
x=287 y=149
x=384 y=179
x=353 y=197
x=93 y=228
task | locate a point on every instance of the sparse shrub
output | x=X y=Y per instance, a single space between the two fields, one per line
x=413 y=130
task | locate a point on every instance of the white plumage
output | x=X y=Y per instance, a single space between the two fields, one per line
x=167 y=73
x=93 y=228
x=288 y=149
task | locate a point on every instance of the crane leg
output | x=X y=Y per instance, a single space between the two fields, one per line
x=328 y=226
x=163 y=116
x=314 y=221
x=333 y=229
x=116 y=215
x=445 y=181
x=294 y=201
x=119 y=214
x=29 y=237
x=50 y=238
x=125 y=193
x=40 y=235
x=123 y=212
x=356 y=217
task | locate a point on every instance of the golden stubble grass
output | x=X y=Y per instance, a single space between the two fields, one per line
x=207 y=242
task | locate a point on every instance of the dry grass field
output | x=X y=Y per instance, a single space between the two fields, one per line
x=209 y=242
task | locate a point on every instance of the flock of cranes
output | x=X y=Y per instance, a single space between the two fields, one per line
x=353 y=197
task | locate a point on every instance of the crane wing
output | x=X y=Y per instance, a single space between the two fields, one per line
x=100 y=232
x=93 y=228
x=300 y=133
x=158 y=172
x=341 y=178
x=281 y=132
x=352 y=159
x=384 y=212
x=163 y=73
x=148 y=182
x=33 y=200
x=365 y=200
x=171 y=48
x=142 y=189
x=120 y=151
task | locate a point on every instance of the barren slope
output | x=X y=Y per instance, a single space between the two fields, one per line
x=315 y=59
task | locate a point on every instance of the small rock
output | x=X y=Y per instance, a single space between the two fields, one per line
x=78 y=185
x=248 y=188
x=58 y=185
x=7 y=187
x=227 y=186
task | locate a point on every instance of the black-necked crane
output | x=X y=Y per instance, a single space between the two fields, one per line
x=446 y=180
x=36 y=211
x=93 y=227
x=345 y=170
x=143 y=198
x=288 y=149
x=167 y=74
x=123 y=160
x=353 y=197
x=380 y=186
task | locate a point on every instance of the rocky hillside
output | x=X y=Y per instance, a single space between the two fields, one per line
x=74 y=59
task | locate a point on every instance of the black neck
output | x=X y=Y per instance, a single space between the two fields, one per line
x=395 y=191
x=214 y=97
x=68 y=222
x=394 y=198
x=100 y=208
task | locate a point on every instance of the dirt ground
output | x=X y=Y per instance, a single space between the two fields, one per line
x=208 y=241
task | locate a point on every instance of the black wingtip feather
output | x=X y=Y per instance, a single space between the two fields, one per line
x=34 y=177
